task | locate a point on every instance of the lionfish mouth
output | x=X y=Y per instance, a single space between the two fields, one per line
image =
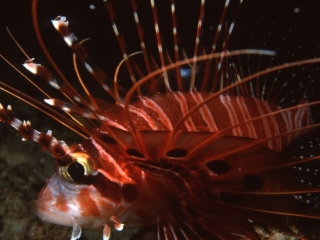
x=200 y=117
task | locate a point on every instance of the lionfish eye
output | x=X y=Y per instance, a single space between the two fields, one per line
x=80 y=170
x=76 y=171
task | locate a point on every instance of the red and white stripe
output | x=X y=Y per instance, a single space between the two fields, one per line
x=184 y=109
x=205 y=112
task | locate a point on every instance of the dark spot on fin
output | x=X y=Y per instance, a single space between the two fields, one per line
x=45 y=141
x=252 y=182
x=26 y=132
x=59 y=151
x=229 y=198
x=218 y=166
x=177 y=153
x=107 y=139
x=129 y=192
x=134 y=153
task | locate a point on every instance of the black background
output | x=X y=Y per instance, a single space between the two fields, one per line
x=271 y=25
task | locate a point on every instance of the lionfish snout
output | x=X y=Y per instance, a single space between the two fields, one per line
x=59 y=203
x=69 y=199
x=77 y=205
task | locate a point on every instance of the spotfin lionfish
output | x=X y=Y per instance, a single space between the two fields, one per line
x=192 y=140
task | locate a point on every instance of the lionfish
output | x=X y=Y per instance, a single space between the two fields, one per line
x=192 y=140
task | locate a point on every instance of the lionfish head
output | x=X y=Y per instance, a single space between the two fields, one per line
x=93 y=189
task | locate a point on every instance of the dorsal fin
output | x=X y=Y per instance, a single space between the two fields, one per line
x=61 y=24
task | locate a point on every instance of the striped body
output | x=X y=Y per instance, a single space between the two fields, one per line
x=163 y=111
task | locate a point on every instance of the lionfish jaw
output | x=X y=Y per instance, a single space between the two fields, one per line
x=63 y=204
